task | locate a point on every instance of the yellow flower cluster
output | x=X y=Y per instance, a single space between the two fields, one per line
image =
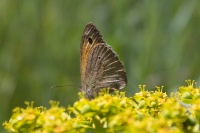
x=146 y=111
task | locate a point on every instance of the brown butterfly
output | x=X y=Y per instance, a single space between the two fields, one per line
x=100 y=65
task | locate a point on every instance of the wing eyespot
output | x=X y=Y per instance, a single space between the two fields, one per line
x=90 y=40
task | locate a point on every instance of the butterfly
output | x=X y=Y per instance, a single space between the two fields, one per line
x=100 y=66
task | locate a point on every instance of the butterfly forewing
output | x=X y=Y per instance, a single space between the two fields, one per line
x=100 y=65
x=90 y=38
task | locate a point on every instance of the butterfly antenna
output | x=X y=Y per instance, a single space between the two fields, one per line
x=63 y=86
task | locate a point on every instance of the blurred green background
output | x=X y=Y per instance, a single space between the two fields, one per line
x=158 y=41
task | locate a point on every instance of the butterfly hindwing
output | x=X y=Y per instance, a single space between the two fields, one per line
x=104 y=70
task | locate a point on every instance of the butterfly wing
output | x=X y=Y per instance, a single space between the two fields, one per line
x=102 y=67
x=90 y=38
